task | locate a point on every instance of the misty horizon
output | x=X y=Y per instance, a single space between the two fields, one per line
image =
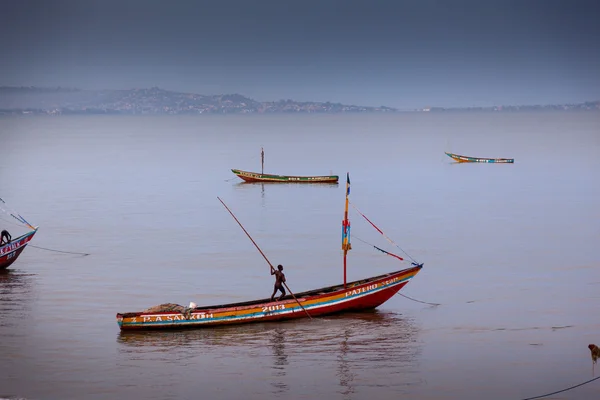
x=400 y=55
x=51 y=89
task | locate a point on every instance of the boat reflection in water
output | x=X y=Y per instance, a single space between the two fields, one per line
x=15 y=294
x=359 y=350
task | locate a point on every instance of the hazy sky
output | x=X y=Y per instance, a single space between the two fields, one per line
x=403 y=54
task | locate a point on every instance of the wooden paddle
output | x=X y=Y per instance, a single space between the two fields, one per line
x=263 y=254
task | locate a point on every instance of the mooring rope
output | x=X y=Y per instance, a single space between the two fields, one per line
x=564 y=390
x=419 y=301
x=60 y=251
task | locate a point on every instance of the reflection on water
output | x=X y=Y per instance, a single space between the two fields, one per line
x=344 y=371
x=279 y=188
x=248 y=185
x=280 y=359
x=350 y=345
x=16 y=289
x=57 y=328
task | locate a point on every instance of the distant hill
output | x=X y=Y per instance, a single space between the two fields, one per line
x=15 y=100
x=586 y=106
x=35 y=100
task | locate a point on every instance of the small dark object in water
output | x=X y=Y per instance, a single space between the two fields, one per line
x=595 y=352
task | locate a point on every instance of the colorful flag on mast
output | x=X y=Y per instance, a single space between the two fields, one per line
x=347 y=183
x=346 y=223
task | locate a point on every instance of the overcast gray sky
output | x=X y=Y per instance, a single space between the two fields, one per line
x=402 y=54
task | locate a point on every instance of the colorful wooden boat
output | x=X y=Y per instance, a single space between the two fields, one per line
x=262 y=177
x=462 y=159
x=9 y=252
x=258 y=177
x=358 y=295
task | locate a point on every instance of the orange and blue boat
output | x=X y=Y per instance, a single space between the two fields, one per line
x=359 y=295
x=9 y=252
x=363 y=294
x=464 y=159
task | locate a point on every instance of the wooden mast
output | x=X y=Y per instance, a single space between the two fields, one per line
x=262 y=161
x=346 y=227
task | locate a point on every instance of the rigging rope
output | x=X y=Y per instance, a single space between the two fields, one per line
x=22 y=221
x=393 y=255
x=384 y=235
x=10 y=222
x=14 y=214
x=564 y=390
x=380 y=249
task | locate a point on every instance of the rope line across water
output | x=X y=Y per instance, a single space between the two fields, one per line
x=564 y=390
x=60 y=251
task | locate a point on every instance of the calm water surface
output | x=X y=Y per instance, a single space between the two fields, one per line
x=510 y=252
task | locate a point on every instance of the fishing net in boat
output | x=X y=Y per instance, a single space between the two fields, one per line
x=172 y=307
x=166 y=307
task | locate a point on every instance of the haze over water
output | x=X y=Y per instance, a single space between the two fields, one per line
x=510 y=252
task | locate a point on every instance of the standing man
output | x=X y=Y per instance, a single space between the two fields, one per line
x=279 y=281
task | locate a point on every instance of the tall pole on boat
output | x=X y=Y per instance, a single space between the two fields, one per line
x=263 y=254
x=346 y=227
x=262 y=161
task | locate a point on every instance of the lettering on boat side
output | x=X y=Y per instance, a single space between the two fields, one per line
x=11 y=247
x=308 y=178
x=273 y=308
x=171 y=318
x=289 y=178
x=389 y=282
x=361 y=290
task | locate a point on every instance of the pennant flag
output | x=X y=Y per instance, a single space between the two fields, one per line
x=388 y=253
x=347 y=183
x=345 y=223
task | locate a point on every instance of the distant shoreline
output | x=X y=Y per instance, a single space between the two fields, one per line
x=19 y=113
x=156 y=101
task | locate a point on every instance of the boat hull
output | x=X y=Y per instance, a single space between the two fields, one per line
x=360 y=295
x=258 y=177
x=11 y=251
x=463 y=159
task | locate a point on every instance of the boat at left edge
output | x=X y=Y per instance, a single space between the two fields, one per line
x=9 y=252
